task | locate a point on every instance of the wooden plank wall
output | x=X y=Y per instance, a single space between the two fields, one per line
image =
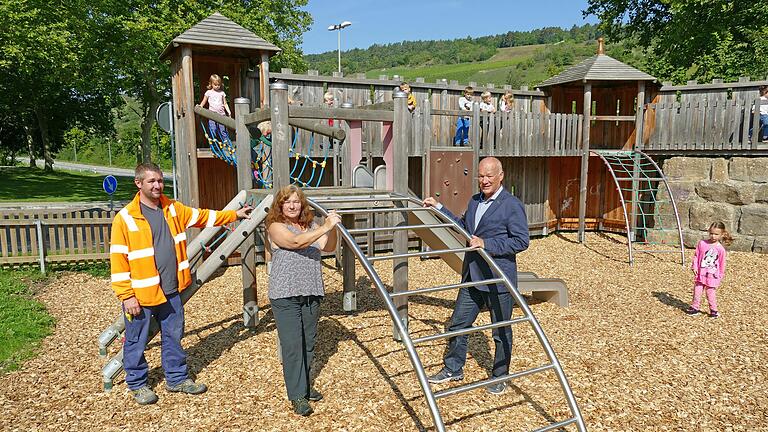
x=603 y=203
x=703 y=117
x=529 y=180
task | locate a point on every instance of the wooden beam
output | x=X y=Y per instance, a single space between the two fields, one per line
x=257 y=116
x=393 y=83
x=218 y=118
x=319 y=128
x=340 y=113
x=613 y=118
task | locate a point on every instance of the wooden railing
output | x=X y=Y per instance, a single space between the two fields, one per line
x=703 y=125
x=42 y=237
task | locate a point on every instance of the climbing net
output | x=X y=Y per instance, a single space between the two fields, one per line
x=309 y=175
x=649 y=208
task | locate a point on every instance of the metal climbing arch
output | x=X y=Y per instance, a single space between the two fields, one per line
x=650 y=213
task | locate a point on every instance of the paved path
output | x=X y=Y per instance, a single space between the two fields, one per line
x=73 y=166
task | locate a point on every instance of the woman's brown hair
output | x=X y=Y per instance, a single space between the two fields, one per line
x=726 y=238
x=276 y=210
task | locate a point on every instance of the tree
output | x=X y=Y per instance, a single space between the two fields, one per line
x=135 y=32
x=48 y=75
x=691 y=39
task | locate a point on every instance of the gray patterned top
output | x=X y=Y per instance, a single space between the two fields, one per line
x=296 y=272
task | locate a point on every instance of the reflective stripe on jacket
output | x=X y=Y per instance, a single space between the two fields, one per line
x=132 y=255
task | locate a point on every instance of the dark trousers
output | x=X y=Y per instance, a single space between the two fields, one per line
x=468 y=304
x=296 y=319
x=170 y=316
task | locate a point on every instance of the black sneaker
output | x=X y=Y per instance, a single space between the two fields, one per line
x=444 y=376
x=692 y=311
x=301 y=407
x=714 y=314
x=497 y=388
x=314 y=395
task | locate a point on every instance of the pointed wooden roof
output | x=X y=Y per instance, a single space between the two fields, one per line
x=598 y=68
x=220 y=31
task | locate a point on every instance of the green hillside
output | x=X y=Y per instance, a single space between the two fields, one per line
x=516 y=66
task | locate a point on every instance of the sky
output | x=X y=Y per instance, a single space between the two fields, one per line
x=385 y=22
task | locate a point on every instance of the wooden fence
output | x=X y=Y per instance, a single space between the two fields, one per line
x=700 y=117
x=42 y=237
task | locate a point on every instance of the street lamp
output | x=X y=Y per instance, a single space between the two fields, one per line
x=338 y=27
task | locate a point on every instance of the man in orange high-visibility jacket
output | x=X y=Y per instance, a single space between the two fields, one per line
x=148 y=256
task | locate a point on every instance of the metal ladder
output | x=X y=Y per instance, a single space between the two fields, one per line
x=650 y=218
x=218 y=257
x=400 y=203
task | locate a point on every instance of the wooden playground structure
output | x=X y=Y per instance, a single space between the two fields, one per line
x=578 y=151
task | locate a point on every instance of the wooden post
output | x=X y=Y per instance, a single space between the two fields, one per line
x=475 y=142
x=245 y=182
x=189 y=145
x=264 y=80
x=583 y=187
x=400 y=186
x=40 y=244
x=349 y=301
x=636 y=160
x=281 y=136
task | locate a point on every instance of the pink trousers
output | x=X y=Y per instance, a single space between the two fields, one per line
x=698 y=290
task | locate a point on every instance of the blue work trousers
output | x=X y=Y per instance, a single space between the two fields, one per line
x=462 y=132
x=170 y=316
x=468 y=304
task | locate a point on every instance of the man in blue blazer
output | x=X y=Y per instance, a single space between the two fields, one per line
x=496 y=221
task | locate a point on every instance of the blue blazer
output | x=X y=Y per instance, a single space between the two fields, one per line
x=504 y=230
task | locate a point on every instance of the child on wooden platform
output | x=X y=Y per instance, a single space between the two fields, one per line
x=405 y=87
x=709 y=268
x=217 y=102
x=462 y=124
x=506 y=102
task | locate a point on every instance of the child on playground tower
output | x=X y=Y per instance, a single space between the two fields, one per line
x=217 y=102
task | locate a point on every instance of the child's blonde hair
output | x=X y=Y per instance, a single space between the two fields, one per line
x=469 y=89
x=508 y=96
x=726 y=238
x=404 y=86
x=265 y=127
x=328 y=96
x=485 y=94
x=213 y=80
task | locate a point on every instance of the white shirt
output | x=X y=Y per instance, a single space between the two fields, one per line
x=484 y=205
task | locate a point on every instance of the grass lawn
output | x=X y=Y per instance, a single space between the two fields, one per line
x=33 y=184
x=23 y=320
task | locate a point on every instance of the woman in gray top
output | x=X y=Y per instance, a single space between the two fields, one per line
x=296 y=286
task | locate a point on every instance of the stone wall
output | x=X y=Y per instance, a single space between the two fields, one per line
x=734 y=191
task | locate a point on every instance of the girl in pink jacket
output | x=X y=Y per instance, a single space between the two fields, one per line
x=709 y=268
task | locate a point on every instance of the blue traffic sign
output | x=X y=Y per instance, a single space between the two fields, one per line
x=109 y=184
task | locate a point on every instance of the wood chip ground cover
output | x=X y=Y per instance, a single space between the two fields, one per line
x=634 y=360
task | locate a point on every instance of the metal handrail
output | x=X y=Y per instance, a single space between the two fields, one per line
x=570 y=399
x=393 y=313
x=445 y=287
x=409 y=343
